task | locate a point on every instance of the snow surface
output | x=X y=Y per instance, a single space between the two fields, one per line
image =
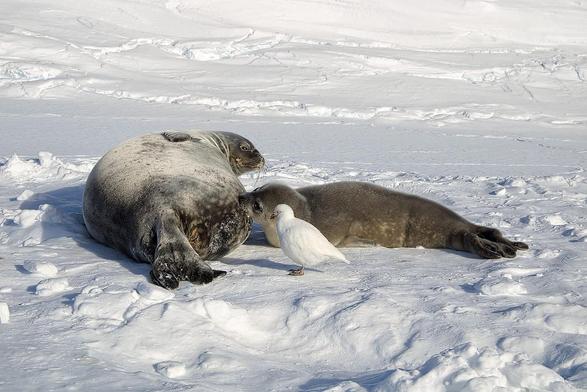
x=479 y=105
x=4 y=313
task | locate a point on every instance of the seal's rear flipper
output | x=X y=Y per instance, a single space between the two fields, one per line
x=175 y=259
x=520 y=245
x=496 y=236
x=489 y=248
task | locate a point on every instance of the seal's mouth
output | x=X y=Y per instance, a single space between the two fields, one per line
x=243 y=166
x=257 y=163
x=261 y=164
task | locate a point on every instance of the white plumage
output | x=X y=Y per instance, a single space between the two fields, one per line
x=302 y=242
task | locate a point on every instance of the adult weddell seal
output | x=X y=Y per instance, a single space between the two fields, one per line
x=171 y=200
x=359 y=213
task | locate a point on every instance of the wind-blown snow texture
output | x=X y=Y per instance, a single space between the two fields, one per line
x=479 y=105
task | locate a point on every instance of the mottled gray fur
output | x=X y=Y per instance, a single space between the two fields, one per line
x=171 y=200
x=358 y=213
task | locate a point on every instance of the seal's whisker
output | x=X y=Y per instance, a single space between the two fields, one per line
x=261 y=169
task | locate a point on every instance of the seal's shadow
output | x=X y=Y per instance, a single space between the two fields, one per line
x=257 y=237
x=367 y=381
x=65 y=219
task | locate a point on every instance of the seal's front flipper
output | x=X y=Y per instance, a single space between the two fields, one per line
x=175 y=137
x=175 y=259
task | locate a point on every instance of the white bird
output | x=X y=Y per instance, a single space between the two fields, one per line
x=302 y=242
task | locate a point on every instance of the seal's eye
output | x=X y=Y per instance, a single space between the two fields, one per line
x=245 y=147
x=257 y=207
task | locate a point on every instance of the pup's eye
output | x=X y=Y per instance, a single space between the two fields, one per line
x=257 y=207
x=245 y=147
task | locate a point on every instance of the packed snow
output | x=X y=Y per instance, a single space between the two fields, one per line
x=4 y=313
x=478 y=105
x=40 y=267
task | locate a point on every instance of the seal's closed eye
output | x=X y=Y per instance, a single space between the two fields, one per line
x=257 y=207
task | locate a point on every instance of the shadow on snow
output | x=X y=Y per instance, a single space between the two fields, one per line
x=68 y=222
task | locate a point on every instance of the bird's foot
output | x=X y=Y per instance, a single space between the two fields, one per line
x=296 y=271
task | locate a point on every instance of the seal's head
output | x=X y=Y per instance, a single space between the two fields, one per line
x=241 y=153
x=261 y=203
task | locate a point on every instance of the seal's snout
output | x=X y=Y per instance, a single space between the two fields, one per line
x=260 y=159
x=242 y=198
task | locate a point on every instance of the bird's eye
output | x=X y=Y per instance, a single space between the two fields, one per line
x=257 y=207
x=245 y=147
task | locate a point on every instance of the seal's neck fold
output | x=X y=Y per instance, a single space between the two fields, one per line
x=218 y=143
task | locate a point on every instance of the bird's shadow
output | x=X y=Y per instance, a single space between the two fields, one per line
x=261 y=263
x=265 y=263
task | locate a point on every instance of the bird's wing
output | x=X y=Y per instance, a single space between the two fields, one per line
x=308 y=240
x=337 y=254
x=294 y=245
x=328 y=248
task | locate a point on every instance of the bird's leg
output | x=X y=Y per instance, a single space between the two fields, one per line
x=297 y=271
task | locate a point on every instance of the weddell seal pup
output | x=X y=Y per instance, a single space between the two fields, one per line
x=359 y=213
x=171 y=200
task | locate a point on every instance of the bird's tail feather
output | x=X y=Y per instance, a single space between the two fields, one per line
x=338 y=255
